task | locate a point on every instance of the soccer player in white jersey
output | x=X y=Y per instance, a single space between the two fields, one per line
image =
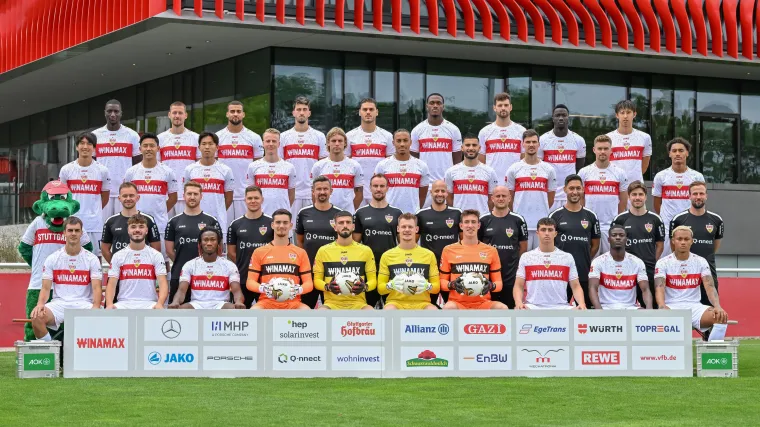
x=671 y=186
x=631 y=148
x=604 y=189
x=118 y=148
x=501 y=141
x=408 y=177
x=470 y=183
x=216 y=180
x=613 y=276
x=238 y=147
x=346 y=175
x=368 y=144
x=210 y=277
x=564 y=149
x=178 y=148
x=546 y=272
x=302 y=146
x=90 y=183
x=436 y=141
x=73 y=273
x=531 y=184
x=275 y=177
x=137 y=268
x=677 y=279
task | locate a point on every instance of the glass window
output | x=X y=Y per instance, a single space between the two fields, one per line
x=718 y=96
x=684 y=103
x=218 y=91
x=411 y=92
x=158 y=97
x=357 y=77
x=662 y=122
x=750 y=134
x=385 y=93
x=96 y=111
x=542 y=100
x=717 y=148
x=197 y=111
x=58 y=121
x=519 y=90
x=78 y=120
x=253 y=82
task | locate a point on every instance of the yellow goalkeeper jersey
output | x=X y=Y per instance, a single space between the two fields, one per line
x=333 y=258
x=398 y=261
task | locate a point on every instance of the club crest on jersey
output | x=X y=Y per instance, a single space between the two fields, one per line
x=206 y=175
x=547 y=262
x=648 y=227
x=626 y=144
x=602 y=177
x=343 y=259
x=292 y=256
x=584 y=224
x=435 y=135
x=210 y=273
x=709 y=228
x=177 y=143
x=471 y=176
x=510 y=232
x=402 y=169
x=72 y=267
x=560 y=147
x=368 y=140
x=336 y=171
x=83 y=177
x=409 y=261
x=483 y=255
x=679 y=182
x=533 y=174
x=234 y=142
x=263 y=230
x=503 y=137
x=300 y=142
x=147 y=177
x=271 y=171
x=684 y=271
x=389 y=218
x=332 y=223
x=201 y=225
x=112 y=140
x=618 y=272
x=449 y=222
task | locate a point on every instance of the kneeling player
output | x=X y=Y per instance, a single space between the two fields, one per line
x=676 y=283
x=137 y=268
x=278 y=262
x=618 y=272
x=470 y=256
x=408 y=273
x=210 y=277
x=75 y=277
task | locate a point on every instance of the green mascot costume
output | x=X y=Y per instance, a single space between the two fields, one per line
x=45 y=236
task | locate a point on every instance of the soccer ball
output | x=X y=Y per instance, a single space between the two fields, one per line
x=413 y=283
x=473 y=284
x=346 y=281
x=281 y=289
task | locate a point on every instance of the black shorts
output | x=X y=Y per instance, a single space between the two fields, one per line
x=586 y=296
x=505 y=295
x=639 y=296
x=704 y=299
x=174 y=287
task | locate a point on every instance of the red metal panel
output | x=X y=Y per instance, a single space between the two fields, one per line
x=260 y=10
x=679 y=10
x=377 y=14
x=240 y=9
x=757 y=24
x=589 y=29
x=340 y=7
x=432 y=8
x=300 y=11
x=700 y=29
x=177 y=7
x=539 y=32
x=716 y=32
x=396 y=15
x=667 y=24
x=554 y=20
x=219 y=8
x=633 y=18
x=414 y=18
x=620 y=25
x=732 y=36
x=56 y=30
x=469 y=18
x=485 y=18
x=745 y=17
x=601 y=19
x=522 y=21
x=359 y=14
x=198 y=7
x=573 y=33
x=451 y=17
x=280 y=12
x=501 y=13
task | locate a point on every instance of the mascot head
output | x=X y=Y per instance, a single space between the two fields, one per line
x=56 y=203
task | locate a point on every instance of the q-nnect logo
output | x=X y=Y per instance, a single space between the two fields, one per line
x=171 y=329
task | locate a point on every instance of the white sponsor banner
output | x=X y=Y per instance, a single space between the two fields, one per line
x=657 y=358
x=484 y=329
x=101 y=345
x=425 y=358
x=162 y=358
x=657 y=329
x=358 y=329
x=368 y=358
x=542 y=329
x=426 y=329
x=238 y=329
x=299 y=329
x=172 y=329
x=485 y=358
x=601 y=358
x=543 y=358
x=599 y=329
x=299 y=358
x=229 y=358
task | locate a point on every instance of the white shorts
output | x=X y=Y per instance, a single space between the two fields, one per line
x=236 y=210
x=112 y=207
x=299 y=204
x=666 y=246
x=620 y=307
x=135 y=305
x=57 y=307
x=428 y=199
x=549 y=307
x=207 y=305
x=604 y=243
x=532 y=240
x=557 y=204
x=95 y=238
x=697 y=310
x=176 y=210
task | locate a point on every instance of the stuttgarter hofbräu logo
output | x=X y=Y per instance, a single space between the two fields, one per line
x=426 y=358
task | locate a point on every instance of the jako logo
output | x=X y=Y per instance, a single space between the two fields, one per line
x=442 y=329
x=527 y=328
x=600 y=357
x=657 y=328
x=154 y=358
x=485 y=329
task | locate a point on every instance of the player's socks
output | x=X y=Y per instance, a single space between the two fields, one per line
x=47 y=337
x=717 y=332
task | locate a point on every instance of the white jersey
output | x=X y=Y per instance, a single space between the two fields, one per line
x=115 y=151
x=471 y=186
x=673 y=188
x=137 y=272
x=561 y=153
x=345 y=176
x=602 y=188
x=44 y=243
x=682 y=278
x=368 y=149
x=72 y=275
x=302 y=150
x=154 y=186
x=178 y=151
x=531 y=184
x=86 y=183
x=275 y=180
x=435 y=145
x=209 y=281
x=405 y=178
x=215 y=180
x=237 y=151
x=628 y=152
x=617 y=279
x=501 y=145
x=546 y=275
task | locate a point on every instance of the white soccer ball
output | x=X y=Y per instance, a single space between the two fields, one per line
x=473 y=283
x=346 y=281
x=281 y=289
x=413 y=283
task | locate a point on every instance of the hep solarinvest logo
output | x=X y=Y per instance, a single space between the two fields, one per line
x=442 y=329
x=298 y=325
x=528 y=328
x=485 y=329
x=658 y=328
x=357 y=329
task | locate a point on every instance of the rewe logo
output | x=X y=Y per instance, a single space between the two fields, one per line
x=600 y=357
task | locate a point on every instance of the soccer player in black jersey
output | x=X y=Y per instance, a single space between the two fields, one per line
x=182 y=234
x=245 y=234
x=645 y=232
x=707 y=228
x=115 y=236
x=315 y=228
x=508 y=233
x=578 y=232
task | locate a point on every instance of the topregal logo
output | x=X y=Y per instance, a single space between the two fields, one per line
x=719 y=361
x=427 y=358
x=39 y=362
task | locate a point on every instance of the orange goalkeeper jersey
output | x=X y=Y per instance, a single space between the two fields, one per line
x=458 y=259
x=289 y=262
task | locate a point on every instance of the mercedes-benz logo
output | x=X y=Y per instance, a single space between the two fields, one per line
x=171 y=329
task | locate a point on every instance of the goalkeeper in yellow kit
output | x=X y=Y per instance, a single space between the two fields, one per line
x=408 y=273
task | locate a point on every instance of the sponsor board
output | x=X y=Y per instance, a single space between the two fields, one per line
x=358 y=329
x=657 y=358
x=485 y=358
x=427 y=329
x=542 y=329
x=101 y=345
x=368 y=358
x=424 y=358
x=299 y=329
x=229 y=358
x=659 y=329
x=601 y=358
x=543 y=358
x=485 y=329
x=299 y=358
x=161 y=358
x=236 y=329
x=599 y=329
x=171 y=329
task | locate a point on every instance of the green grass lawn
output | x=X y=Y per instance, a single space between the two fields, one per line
x=409 y=402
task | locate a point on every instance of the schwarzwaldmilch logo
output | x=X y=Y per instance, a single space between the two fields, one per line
x=427 y=358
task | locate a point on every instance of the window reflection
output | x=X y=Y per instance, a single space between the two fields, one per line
x=519 y=91
x=684 y=102
x=218 y=91
x=357 y=87
x=385 y=93
x=252 y=83
x=750 y=134
x=717 y=149
x=542 y=98
x=411 y=93
x=718 y=96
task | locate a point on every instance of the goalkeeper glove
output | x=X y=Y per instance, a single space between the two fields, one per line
x=395 y=284
x=295 y=290
x=458 y=285
x=266 y=290
x=358 y=287
x=333 y=287
x=490 y=286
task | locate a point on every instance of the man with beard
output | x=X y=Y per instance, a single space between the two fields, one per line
x=211 y=278
x=178 y=148
x=344 y=255
x=407 y=176
x=368 y=144
x=470 y=183
x=346 y=175
x=563 y=149
x=275 y=177
x=116 y=230
x=501 y=141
